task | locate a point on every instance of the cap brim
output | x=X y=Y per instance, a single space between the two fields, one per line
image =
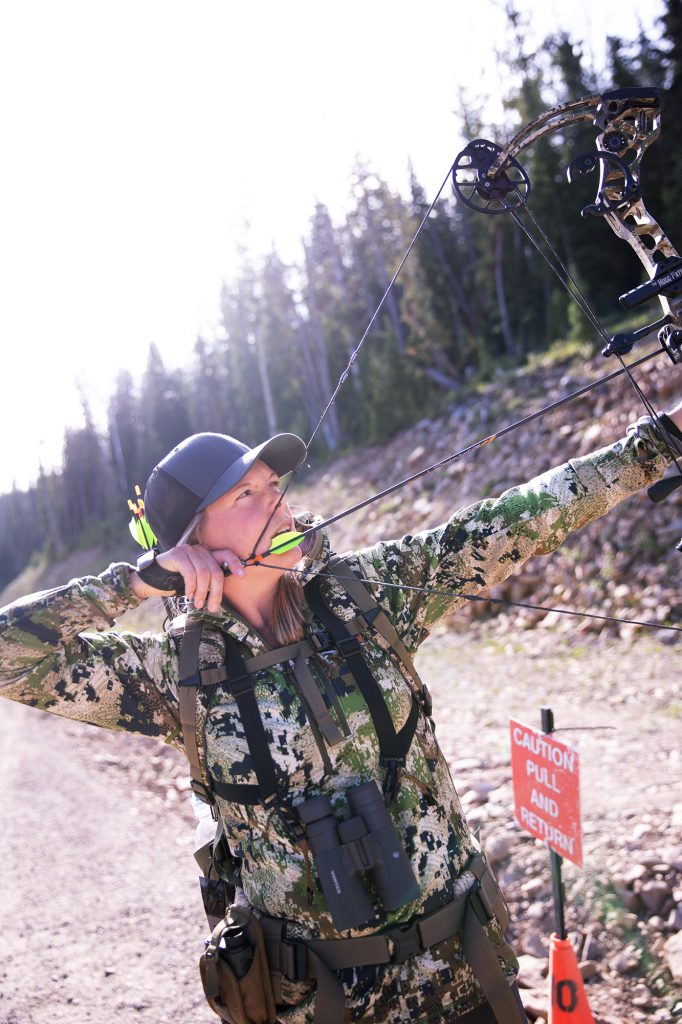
x=283 y=453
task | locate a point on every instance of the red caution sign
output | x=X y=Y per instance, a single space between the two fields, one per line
x=546 y=780
x=567 y=1000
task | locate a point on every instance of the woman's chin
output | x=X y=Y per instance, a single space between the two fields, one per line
x=285 y=559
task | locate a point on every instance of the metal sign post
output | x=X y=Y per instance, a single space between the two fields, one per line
x=555 y=861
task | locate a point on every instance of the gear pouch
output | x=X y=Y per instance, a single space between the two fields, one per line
x=235 y=972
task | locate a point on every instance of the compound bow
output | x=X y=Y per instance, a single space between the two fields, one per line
x=489 y=178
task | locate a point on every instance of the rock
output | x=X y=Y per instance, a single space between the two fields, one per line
x=532 y=970
x=640 y=996
x=537 y=911
x=624 y=962
x=415 y=455
x=654 y=894
x=632 y=874
x=628 y=898
x=674 y=921
x=672 y=856
x=534 y=1002
x=672 y=951
x=533 y=886
x=588 y=969
x=622 y=919
x=498 y=847
x=593 y=948
x=535 y=944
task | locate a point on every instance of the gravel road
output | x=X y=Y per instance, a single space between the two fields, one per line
x=101 y=918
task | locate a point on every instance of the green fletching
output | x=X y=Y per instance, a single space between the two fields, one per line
x=285 y=542
x=142 y=532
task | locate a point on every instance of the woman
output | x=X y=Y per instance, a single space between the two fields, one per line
x=416 y=934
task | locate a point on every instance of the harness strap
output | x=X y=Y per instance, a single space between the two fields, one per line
x=298 y=653
x=300 y=960
x=240 y=685
x=189 y=683
x=393 y=746
x=310 y=691
x=374 y=613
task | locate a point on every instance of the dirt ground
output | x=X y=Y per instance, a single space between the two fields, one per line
x=101 y=917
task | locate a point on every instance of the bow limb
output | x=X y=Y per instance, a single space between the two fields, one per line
x=629 y=121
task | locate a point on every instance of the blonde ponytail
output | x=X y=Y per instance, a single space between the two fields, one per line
x=288 y=615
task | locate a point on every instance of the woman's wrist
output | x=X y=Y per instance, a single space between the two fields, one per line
x=139 y=588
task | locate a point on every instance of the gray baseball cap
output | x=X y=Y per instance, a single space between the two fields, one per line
x=202 y=468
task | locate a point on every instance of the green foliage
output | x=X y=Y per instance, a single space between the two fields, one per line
x=474 y=299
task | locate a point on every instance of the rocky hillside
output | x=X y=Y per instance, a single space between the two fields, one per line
x=624 y=565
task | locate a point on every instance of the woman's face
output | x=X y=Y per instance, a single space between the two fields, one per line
x=235 y=520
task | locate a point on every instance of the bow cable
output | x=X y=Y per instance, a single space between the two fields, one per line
x=564 y=276
x=480 y=598
x=353 y=356
x=474 y=446
x=570 y=284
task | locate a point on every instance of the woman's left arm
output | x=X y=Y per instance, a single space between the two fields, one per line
x=58 y=652
x=480 y=546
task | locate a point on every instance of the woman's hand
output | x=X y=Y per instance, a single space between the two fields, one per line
x=202 y=571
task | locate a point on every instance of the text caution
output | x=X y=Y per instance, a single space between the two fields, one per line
x=547 y=789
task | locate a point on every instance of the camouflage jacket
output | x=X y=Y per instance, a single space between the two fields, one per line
x=59 y=653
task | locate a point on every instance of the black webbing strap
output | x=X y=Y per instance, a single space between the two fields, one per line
x=393 y=746
x=189 y=683
x=300 y=960
x=240 y=685
x=374 y=614
x=268 y=791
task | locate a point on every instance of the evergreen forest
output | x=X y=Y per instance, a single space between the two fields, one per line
x=473 y=297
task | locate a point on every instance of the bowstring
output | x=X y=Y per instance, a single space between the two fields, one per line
x=353 y=356
x=468 y=450
x=478 y=598
x=568 y=281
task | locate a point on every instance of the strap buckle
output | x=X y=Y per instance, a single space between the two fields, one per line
x=240 y=685
x=406 y=942
x=288 y=957
x=202 y=791
x=321 y=640
x=480 y=904
x=348 y=645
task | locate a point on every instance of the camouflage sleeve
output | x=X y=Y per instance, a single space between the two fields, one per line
x=480 y=546
x=57 y=654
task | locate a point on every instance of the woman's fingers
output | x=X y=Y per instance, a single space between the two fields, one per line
x=203 y=572
x=229 y=562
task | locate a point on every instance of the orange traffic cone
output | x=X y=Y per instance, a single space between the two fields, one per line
x=567 y=1000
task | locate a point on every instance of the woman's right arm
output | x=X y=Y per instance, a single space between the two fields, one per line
x=58 y=653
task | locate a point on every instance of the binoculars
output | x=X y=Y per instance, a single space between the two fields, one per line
x=367 y=843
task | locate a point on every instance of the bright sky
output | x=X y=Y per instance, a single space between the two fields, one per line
x=139 y=138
